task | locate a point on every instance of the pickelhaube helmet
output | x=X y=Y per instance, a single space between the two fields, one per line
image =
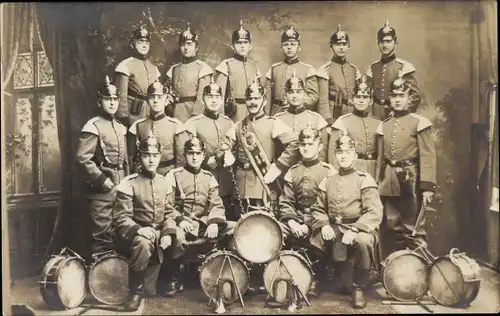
x=187 y=35
x=290 y=35
x=212 y=88
x=107 y=89
x=339 y=36
x=362 y=88
x=141 y=32
x=241 y=34
x=194 y=144
x=255 y=89
x=149 y=145
x=345 y=142
x=156 y=88
x=400 y=85
x=308 y=133
x=294 y=83
x=386 y=30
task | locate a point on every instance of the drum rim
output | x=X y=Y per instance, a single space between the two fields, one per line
x=62 y=263
x=255 y=213
x=107 y=256
x=400 y=253
x=44 y=288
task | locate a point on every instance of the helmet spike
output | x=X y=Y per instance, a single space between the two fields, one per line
x=188 y=27
x=241 y=24
x=386 y=23
x=339 y=28
x=107 y=81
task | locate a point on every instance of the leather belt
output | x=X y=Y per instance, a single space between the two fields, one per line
x=240 y=100
x=244 y=166
x=401 y=163
x=166 y=163
x=185 y=99
x=118 y=166
x=343 y=220
x=137 y=95
x=372 y=156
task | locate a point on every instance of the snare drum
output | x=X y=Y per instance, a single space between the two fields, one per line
x=211 y=269
x=258 y=237
x=292 y=263
x=63 y=283
x=405 y=275
x=108 y=279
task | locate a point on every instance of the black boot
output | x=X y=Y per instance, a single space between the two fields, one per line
x=360 y=280
x=358 y=297
x=173 y=285
x=136 y=285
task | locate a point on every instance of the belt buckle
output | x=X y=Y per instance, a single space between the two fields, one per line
x=246 y=166
x=370 y=156
x=393 y=162
x=120 y=166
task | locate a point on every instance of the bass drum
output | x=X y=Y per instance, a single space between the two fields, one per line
x=108 y=279
x=63 y=281
x=211 y=269
x=275 y=272
x=258 y=237
x=405 y=275
x=454 y=279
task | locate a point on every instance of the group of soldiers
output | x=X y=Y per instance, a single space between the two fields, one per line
x=333 y=155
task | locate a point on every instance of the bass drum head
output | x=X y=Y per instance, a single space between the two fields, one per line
x=298 y=268
x=71 y=282
x=258 y=237
x=210 y=269
x=405 y=275
x=108 y=280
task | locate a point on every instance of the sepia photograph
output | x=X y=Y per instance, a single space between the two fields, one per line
x=249 y=157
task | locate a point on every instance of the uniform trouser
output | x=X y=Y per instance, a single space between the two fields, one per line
x=101 y=214
x=232 y=212
x=142 y=250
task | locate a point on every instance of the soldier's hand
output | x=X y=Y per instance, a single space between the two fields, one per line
x=271 y=175
x=108 y=184
x=169 y=99
x=212 y=163
x=186 y=226
x=427 y=196
x=349 y=237
x=212 y=231
x=327 y=232
x=147 y=232
x=304 y=229
x=294 y=227
x=165 y=242
x=228 y=158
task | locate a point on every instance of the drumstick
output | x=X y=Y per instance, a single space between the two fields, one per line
x=236 y=284
x=274 y=276
x=419 y=218
x=295 y=284
x=217 y=281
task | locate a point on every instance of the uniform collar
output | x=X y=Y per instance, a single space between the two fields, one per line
x=360 y=113
x=257 y=117
x=345 y=172
x=105 y=115
x=210 y=114
x=401 y=113
x=310 y=163
x=298 y=110
x=148 y=174
x=240 y=58
x=291 y=61
x=339 y=60
x=139 y=56
x=386 y=59
x=188 y=60
x=191 y=169
x=158 y=117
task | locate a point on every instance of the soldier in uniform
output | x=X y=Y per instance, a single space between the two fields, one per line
x=346 y=219
x=279 y=73
x=169 y=131
x=408 y=168
x=362 y=127
x=299 y=194
x=336 y=79
x=211 y=127
x=235 y=75
x=133 y=76
x=140 y=218
x=198 y=212
x=384 y=71
x=298 y=117
x=188 y=78
x=102 y=154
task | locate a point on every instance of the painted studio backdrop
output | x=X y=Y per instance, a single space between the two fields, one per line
x=452 y=44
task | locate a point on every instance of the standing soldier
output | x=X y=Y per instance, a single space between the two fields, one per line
x=408 y=168
x=169 y=131
x=102 y=153
x=279 y=73
x=133 y=76
x=384 y=71
x=300 y=193
x=362 y=127
x=235 y=75
x=140 y=218
x=298 y=117
x=346 y=219
x=336 y=79
x=211 y=127
x=188 y=78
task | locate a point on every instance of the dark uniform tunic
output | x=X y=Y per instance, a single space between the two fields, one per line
x=141 y=201
x=277 y=76
x=102 y=154
x=234 y=76
x=169 y=132
x=133 y=77
x=188 y=80
x=408 y=167
x=362 y=128
x=336 y=80
x=381 y=74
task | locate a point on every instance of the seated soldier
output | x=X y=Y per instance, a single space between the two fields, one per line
x=140 y=218
x=299 y=194
x=347 y=216
x=198 y=212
